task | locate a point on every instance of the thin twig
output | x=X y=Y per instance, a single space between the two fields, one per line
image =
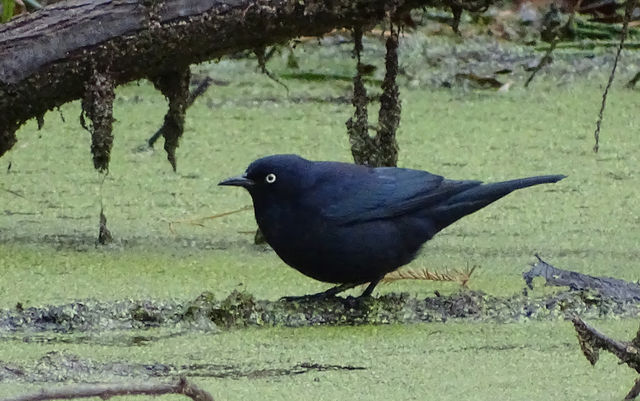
x=199 y=221
x=105 y=391
x=260 y=53
x=630 y=5
x=546 y=59
x=14 y=193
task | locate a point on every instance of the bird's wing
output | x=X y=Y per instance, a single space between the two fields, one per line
x=388 y=192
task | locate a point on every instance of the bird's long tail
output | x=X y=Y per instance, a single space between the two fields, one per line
x=476 y=198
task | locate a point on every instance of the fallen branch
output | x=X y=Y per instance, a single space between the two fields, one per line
x=592 y=341
x=605 y=286
x=105 y=391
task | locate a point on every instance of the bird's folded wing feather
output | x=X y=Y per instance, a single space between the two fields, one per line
x=387 y=193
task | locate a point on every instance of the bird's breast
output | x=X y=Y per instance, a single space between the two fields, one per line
x=288 y=226
x=321 y=248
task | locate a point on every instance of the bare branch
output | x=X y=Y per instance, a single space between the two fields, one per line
x=105 y=391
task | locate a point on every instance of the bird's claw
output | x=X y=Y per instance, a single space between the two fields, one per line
x=307 y=298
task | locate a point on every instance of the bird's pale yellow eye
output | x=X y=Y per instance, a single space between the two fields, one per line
x=270 y=178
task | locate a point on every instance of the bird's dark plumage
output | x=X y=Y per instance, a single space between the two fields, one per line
x=350 y=224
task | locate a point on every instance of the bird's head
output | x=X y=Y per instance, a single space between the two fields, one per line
x=272 y=174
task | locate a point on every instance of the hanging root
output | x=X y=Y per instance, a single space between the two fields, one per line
x=97 y=105
x=260 y=53
x=389 y=114
x=193 y=95
x=382 y=149
x=174 y=85
x=358 y=130
x=7 y=135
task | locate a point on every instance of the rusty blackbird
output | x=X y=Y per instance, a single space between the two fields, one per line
x=350 y=224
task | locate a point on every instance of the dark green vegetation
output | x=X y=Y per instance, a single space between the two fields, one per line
x=50 y=202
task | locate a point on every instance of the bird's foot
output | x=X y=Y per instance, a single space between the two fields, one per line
x=328 y=294
x=308 y=298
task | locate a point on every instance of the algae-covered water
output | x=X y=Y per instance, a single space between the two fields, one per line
x=50 y=200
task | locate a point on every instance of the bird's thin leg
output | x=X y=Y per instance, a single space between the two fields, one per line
x=367 y=291
x=331 y=292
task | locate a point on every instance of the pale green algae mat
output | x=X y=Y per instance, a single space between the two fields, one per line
x=201 y=301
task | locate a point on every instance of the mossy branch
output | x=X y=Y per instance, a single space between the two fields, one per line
x=141 y=39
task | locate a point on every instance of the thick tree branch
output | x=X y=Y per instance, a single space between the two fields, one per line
x=46 y=57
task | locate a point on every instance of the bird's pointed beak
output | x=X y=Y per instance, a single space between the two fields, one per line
x=238 y=181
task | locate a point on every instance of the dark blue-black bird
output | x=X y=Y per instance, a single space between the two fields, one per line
x=350 y=224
